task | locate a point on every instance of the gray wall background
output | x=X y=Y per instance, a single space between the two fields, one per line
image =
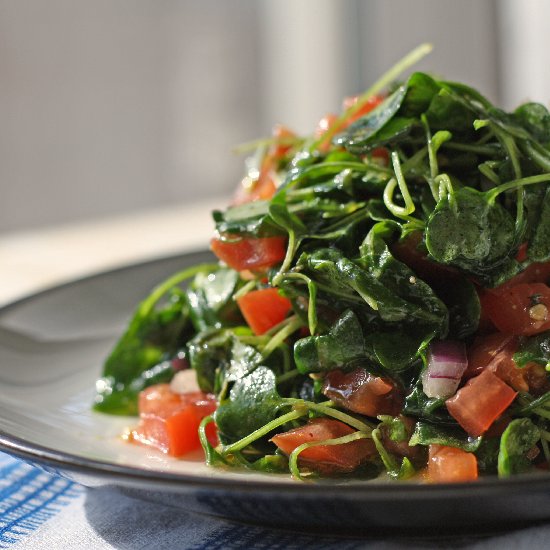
x=110 y=107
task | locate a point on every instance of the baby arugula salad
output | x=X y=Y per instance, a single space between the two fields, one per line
x=380 y=303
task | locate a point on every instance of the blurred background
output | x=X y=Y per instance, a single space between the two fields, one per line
x=115 y=107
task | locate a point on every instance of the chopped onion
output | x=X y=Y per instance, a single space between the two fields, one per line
x=447 y=362
x=184 y=381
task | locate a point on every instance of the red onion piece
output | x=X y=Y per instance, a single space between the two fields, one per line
x=447 y=362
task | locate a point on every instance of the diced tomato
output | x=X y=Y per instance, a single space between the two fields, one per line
x=261 y=189
x=330 y=119
x=521 y=255
x=495 y=352
x=519 y=309
x=363 y=393
x=325 y=123
x=480 y=402
x=451 y=465
x=281 y=147
x=249 y=253
x=170 y=421
x=486 y=349
x=264 y=187
x=263 y=309
x=370 y=104
x=534 y=273
x=407 y=250
x=326 y=458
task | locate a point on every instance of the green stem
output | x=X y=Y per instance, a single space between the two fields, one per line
x=388 y=78
x=281 y=336
x=293 y=458
x=327 y=409
x=264 y=430
x=297 y=174
x=290 y=251
x=492 y=194
x=399 y=180
x=287 y=376
x=529 y=407
x=266 y=142
x=245 y=289
x=149 y=303
x=312 y=302
x=538 y=154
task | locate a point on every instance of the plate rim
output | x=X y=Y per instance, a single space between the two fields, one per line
x=130 y=475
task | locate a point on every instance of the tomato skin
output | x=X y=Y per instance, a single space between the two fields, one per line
x=369 y=105
x=326 y=458
x=451 y=465
x=170 y=421
x=250 y=253
x=534 y=273
x=495 y=352
x=279 y=149
x=329 y=120
x=363 y=393
x=510 y=308
x=480 y=402
x=264 y=187
x=263 y=309
x=407 y=250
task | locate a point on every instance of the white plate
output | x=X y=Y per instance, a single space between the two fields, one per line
x=52 y=346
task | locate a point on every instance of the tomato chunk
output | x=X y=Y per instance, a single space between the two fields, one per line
x=249 y=253
x=480 y=402
x=170 y=421
x=407 y=250
x=370 y=104
x=326 y=458
x=329 y=121
x=264 y=187
x=263 y=309
x=495 y=352
x=451 y=465
x=519 y=309
x=537 y=272
x=363 y=393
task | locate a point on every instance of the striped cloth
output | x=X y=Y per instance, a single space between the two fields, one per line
x=42 y=511
x=28 y=497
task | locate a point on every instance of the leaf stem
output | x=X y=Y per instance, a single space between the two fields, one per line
x=492 y=194
x=381 y=84
x=260 y=432
x=293 y=457
x=327 y=409
x=281 y=336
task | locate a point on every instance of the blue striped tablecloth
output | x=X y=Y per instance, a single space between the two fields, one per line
x=43 y=511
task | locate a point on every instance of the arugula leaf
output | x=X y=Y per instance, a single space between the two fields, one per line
x=467 y=231
x=518 y=438
x=343 y=344
x=253 y=402
x=219 y=357
x=539 y=245
x=536 y=119
x=155 y=332
x=429 y=434
x=534 y=349
x=210 y=299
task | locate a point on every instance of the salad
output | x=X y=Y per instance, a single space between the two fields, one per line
x=380 y=303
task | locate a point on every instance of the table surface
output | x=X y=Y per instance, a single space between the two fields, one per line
x=36 y=259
